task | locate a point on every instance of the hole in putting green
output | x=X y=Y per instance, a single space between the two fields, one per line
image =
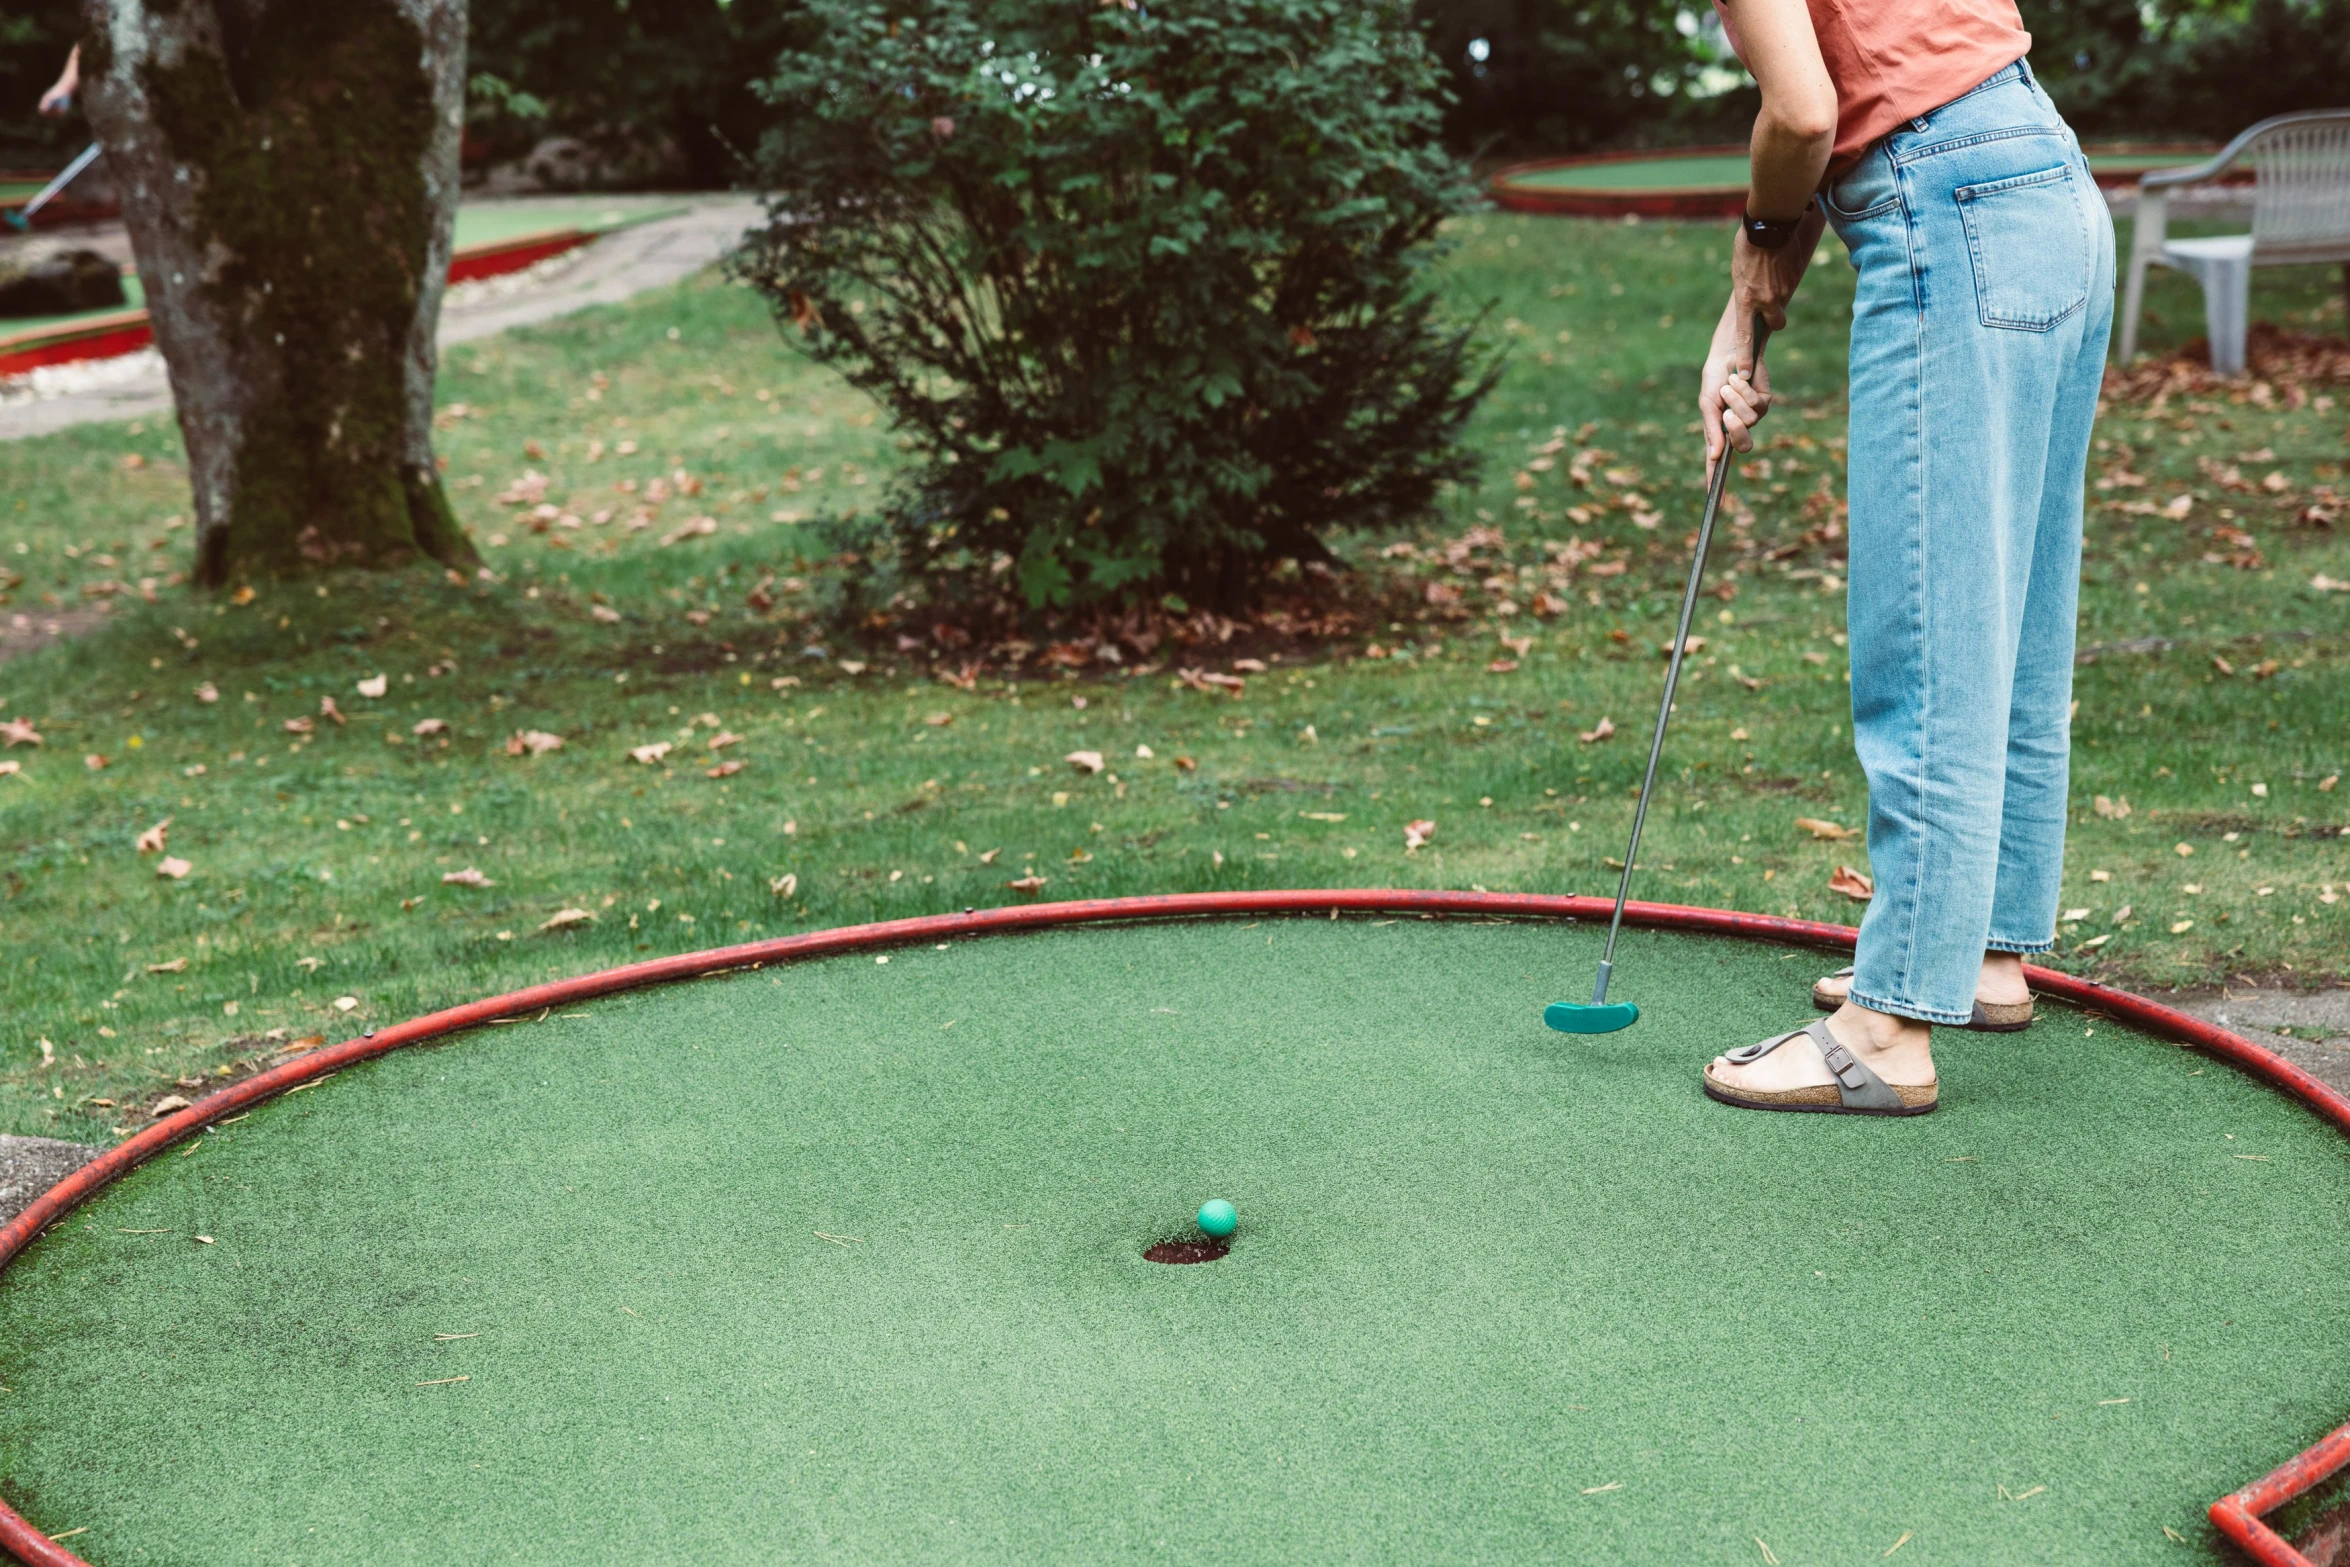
x=1186 y=1251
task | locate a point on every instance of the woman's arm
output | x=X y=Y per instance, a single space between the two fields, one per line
x=1792 y=138
x=59 y=98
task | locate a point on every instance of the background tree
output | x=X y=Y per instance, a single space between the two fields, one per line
x=1560 y=76
x=1554 y=76
x=288 y=172
x=627 y=79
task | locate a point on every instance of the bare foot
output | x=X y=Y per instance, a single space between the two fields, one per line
x=2001 y=982
x=1897 y=1049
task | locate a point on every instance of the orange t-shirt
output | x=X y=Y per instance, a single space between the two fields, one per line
x=1892 y=60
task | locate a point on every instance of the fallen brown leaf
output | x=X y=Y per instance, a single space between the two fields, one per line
x=1249 y=666
x=430 y=726
x=649 y=754
x=1085 y=761
x=95 y=762
x=691 y=528
x=939 y=720
x=208 y=692
x=1417 y=833
x=532 y=742
x=1853 y=884
x=468 y=877
x=172 y=868
x=1832 y=831
x=167 y=1104
x=724 y=738
x=169 y=966
x=725 y=769
x=327 y=709
x=1598 y=732
x=300 y=726
x=2112 y=809
x=1502 y=666
x=565 y=919
x=374 y=686
x=988 y=858
x=151 y=841
x=785 y=885
x=1028 y=883
x=1211 y=683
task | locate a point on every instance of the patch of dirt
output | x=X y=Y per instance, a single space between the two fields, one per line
x=2326 y=1542
x=2279 y=365
x=29 y=1166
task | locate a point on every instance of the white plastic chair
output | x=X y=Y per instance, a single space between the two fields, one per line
x=2300 y=213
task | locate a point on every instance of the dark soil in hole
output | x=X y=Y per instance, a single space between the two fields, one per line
x=1186 y=1251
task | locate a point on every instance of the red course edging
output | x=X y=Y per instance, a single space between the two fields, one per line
x=2236 y=1514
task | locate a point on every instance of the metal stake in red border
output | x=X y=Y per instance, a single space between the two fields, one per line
x=2237 y=1515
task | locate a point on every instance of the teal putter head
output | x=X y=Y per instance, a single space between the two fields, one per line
x=1602 y=1016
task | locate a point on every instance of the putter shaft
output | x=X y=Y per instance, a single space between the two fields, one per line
x=23 y=217
x=1664 y=712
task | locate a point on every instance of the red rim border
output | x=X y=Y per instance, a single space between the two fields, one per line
x=2237 y=1515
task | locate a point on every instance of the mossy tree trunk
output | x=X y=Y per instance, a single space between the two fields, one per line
x=288 y=172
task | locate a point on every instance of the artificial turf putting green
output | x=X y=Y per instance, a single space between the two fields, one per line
x=842 y=1261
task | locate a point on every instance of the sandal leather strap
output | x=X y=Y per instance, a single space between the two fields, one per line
x=1857 y=1086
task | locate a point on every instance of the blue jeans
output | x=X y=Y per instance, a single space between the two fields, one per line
x=1985 y=257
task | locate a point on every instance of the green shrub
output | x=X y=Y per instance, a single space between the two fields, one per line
x=1147 y=293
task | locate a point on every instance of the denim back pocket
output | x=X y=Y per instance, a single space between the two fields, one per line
x=2029 y=238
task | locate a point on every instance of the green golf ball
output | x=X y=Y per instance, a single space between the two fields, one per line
x=1218 y=1218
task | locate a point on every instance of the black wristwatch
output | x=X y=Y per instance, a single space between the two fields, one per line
x=1771 y=233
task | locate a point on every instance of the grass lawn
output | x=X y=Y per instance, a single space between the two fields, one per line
x=682 y=591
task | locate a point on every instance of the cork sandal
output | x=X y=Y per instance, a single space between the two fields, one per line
x=1855 y=1090
x=1990 y=1017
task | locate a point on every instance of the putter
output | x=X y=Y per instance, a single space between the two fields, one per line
x=1603 y=1016
x=22 y=218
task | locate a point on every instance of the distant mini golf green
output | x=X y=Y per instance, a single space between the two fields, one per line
x=1711 y=181
x=842 y=1260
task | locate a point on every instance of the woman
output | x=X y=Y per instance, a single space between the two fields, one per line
x=1985 y=295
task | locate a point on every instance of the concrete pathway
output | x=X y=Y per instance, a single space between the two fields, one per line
x=2319 y=1019
x=29 y=1166
x=602 y=272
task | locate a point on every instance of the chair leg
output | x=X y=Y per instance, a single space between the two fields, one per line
x=2149 y=226
x=2227 y=308
x=2134 y=295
